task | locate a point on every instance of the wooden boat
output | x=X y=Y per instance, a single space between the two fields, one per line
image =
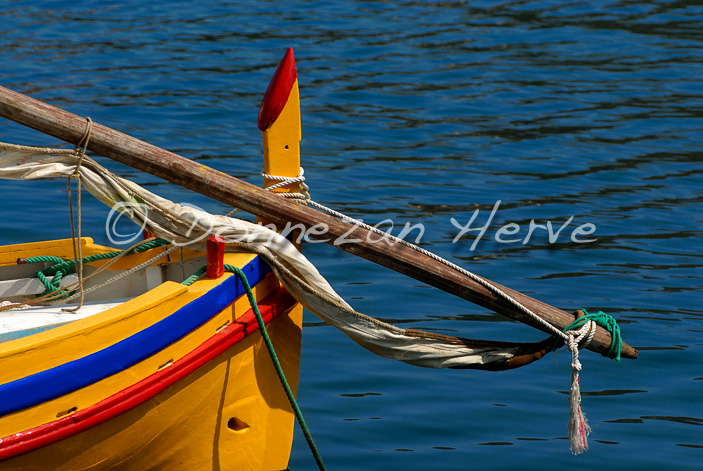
x=158 y=375
x=151 y=373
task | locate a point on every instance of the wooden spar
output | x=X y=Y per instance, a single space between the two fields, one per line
x=234 y=192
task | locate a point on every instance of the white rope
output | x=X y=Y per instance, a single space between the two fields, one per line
x=302 y=197
x=41 y=150
x=578 y=426
x=300 y=178
x=10 y=306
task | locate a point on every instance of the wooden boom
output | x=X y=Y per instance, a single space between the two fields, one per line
x=234 y=192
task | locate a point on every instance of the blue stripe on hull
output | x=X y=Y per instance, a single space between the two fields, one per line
x=63 y=379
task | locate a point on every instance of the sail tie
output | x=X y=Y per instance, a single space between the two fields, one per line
x=79 y=151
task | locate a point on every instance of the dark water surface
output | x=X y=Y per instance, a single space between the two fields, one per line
x=421 y=112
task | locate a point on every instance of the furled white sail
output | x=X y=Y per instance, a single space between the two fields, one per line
x=190 y=226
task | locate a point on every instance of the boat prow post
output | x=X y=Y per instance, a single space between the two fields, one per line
x=279 y=122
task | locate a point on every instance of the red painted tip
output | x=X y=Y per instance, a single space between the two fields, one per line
x=277 y=93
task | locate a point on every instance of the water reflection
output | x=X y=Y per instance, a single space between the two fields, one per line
x=422 y=111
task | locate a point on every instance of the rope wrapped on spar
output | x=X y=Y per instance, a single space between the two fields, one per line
x=183 y=225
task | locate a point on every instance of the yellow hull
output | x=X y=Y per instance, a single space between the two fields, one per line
x=114 y=391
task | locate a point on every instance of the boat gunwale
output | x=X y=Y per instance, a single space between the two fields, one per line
x=66 y=377
x=129 y=308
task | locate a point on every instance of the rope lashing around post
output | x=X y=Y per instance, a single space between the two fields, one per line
x=303 y=196
x=285 y=181
x=272 y=353
x=62 y=267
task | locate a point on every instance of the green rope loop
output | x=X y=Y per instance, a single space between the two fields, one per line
x=272 y=353
x=53 y=285
x=607 y=322
x=63 y=267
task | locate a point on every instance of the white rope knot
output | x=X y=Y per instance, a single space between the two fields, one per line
x=584 y=334
x=303 y=196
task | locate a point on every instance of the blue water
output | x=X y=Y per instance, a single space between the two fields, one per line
x=421 y=112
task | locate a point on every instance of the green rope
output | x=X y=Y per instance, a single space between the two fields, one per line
x=277 y=365
x=194 y=277
x=45 y=258
x=269 y=345
x=63 y=267
x=607 y=322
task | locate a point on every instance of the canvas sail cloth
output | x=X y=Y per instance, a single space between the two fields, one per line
x=190 y=226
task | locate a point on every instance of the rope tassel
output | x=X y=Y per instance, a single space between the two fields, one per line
x=586 y=325
x=578 y=425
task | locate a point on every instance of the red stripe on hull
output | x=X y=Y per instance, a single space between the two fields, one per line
x=119 y=403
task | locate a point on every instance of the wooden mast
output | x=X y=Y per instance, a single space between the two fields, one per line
x=234 y=192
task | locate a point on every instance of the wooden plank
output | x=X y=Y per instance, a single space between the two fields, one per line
x=227 y=189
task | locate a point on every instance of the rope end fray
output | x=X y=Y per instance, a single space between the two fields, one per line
x=578 y=425
x=586 y=325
